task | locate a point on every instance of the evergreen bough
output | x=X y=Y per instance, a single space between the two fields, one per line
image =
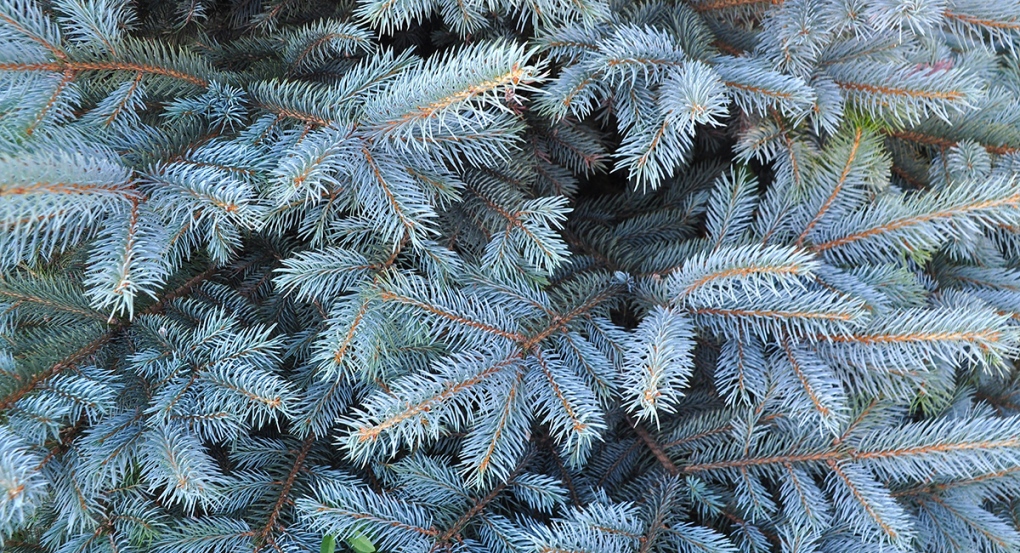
x=509 y=276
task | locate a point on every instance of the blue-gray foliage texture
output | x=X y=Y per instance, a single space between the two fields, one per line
x=509 y=276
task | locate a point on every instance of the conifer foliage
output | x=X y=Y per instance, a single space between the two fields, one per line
x=509 y=276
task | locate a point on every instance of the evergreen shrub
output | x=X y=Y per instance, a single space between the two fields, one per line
x=509 y=276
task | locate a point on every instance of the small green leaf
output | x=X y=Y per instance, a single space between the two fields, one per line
x=361 y=544
x=328 y=544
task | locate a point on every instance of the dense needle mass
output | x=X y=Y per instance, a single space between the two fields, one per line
x=509 y=276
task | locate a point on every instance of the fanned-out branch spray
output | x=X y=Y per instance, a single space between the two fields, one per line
x=509 y=276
